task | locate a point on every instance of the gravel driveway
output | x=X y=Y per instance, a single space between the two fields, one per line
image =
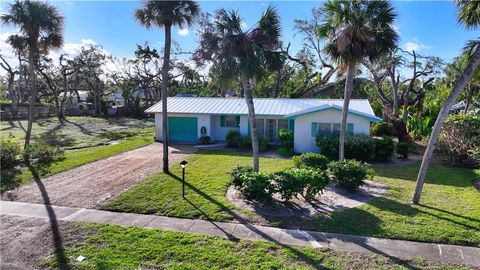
x=91 y=185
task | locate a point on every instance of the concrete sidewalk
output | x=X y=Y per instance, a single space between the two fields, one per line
x=390 y=248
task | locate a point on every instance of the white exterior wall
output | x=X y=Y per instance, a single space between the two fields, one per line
x=303 y=140
x=220 y=132
x=203 y=120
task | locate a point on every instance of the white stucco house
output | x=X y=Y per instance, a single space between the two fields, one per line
x=188 y=116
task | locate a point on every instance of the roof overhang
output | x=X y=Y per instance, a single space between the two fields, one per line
x=371 y=118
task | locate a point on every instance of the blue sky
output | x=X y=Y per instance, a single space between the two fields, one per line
x=428 y=26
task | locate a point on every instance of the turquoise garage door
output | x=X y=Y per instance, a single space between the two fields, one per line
x=182 y=129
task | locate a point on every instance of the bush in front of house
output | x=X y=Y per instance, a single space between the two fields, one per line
x=9 y=151
x=384 y=148
x=246 y=143
x=360 y=147
x=286 y=142
x=43 y=153
x=251 y=184
x=403 y=148
x=299 y=181
x=349 y=174
x=383 y=129
x=233 y=138
x=311 y=160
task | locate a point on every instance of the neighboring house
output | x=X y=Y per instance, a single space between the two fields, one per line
x=307 y=118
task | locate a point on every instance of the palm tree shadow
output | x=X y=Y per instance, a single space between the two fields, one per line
x=302 y=256
x=56 y=235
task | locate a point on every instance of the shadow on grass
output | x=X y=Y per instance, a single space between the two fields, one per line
x=304 y=257
x=61 y=259
x=82 y=128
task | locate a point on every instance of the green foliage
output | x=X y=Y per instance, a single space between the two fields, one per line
x=245 y=142
x=403 y=149
x=311 y=160
x=349 y=174
x=384 y=148
x=205 y=139
x=253 y=185
x=286 y=142
x=44 y=153
x=9 y=151
x=299 y=181
x=419 y=125
x=233 y=139
x=383 y=129
x=461 y=135
x=359 y=147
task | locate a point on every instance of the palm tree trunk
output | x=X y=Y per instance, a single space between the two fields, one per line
x=346 y=103
x=251 y=118
x=33 y=96
x=459 y=86
x=165 y=69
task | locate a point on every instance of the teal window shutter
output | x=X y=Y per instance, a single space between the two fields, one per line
x=222 y=121
x=237 y=121
x=291 y=125
x=350 y=128
x=314 y=130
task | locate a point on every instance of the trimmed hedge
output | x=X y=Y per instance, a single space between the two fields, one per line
x=311 y=160
x=384 y=149
x=359 y=147
x=233 y=138
x=9 y=152
x=383 y=129
x=286 y=142
x=349 y=174
x=402 y=149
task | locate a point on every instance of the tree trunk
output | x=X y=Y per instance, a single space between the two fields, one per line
x=468 y=97
x=165 y=69
x=459 y=86
x=33 y=95
x=346 y=103
x=251 y=118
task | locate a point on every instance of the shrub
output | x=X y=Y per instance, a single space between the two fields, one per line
x=233 y=138
x=43 y=153
x=294 y=182
x=245 y=142
x=383 y=129
x=9 y=151
x=384 y=148
x=262 y=144
x=402 y=149
x=286 y=142
x=461 y=136
x=311 y=160
x=251 y=184
x=359 y=147
x=205 y=139
x=349 y=174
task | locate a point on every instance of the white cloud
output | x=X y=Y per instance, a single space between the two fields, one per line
x=183 y=32
x=414 y=46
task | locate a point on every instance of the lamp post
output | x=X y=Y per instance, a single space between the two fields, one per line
x=183 y=164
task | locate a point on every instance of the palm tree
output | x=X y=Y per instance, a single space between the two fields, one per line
x=41 y=29
x=245 y=55
x=468 y=14
x=354 y=31
x=165 y=14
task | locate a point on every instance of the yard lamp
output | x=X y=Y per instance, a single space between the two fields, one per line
x=183 y=164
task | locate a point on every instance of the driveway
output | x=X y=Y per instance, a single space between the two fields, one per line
x=93 y=184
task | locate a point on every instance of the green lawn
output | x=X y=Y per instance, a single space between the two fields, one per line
x=115 y=247
x=451 y=213
x=76 y=131
x=73 y=158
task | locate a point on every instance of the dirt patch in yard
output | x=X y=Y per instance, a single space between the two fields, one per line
x=91 y=185
x=332 y=199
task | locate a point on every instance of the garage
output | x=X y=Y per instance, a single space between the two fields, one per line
x=183 y=129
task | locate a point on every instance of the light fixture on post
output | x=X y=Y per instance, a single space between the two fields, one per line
x=183 y=164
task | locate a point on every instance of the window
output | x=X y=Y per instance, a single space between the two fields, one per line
x=230 y=121
x=329 y=129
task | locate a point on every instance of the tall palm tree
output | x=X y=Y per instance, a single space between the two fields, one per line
x=469 y=15
x=354 y=31
x=166 y=14
x=41 y=29
x=243 y=54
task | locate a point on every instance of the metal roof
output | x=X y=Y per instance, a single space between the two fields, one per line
x=263 y=106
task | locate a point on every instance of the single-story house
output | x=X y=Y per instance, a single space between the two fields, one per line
x=190 y=117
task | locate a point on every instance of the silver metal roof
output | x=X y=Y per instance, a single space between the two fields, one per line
x=263 y=106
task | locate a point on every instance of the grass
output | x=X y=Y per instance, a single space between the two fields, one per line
x=450 y=214
x=115 y=247
x=76 y=131
x=73 y=158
